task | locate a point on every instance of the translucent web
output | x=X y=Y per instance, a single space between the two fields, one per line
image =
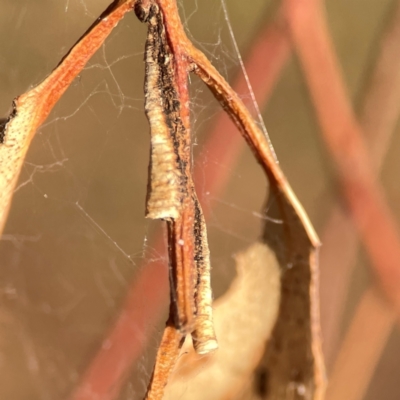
x=242 y=67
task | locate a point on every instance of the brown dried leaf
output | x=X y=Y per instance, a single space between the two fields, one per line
x=292 y=365
x=244 y=318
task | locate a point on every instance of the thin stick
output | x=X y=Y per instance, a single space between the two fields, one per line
x=169 y=194
x=381 y=107
x=167 y=356
x=361 y=349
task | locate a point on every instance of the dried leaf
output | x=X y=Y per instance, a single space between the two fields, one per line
x=292 y=366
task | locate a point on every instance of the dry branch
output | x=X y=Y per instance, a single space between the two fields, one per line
x=167 y=357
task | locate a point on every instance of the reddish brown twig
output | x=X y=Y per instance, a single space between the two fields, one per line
x=373 y=320
x=167 y=356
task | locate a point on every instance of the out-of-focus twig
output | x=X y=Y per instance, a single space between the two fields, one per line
x=147 y=297
x=361 y=349
x=379 y=113
x=381 y=107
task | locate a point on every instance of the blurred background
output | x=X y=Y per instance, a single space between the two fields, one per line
x=76 y=239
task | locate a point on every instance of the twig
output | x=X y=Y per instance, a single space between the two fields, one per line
x=167 y=356
x=258 y=142
x=361 y=349
x=130 y=333
x=381 y=108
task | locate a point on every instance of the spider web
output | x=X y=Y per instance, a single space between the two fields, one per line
x=76 y=237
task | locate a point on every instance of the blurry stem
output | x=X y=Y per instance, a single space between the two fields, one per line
x=381 y=108
x=373 y=320
x=362 y=348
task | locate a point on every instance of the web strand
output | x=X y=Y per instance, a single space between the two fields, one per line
x=246 y=76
